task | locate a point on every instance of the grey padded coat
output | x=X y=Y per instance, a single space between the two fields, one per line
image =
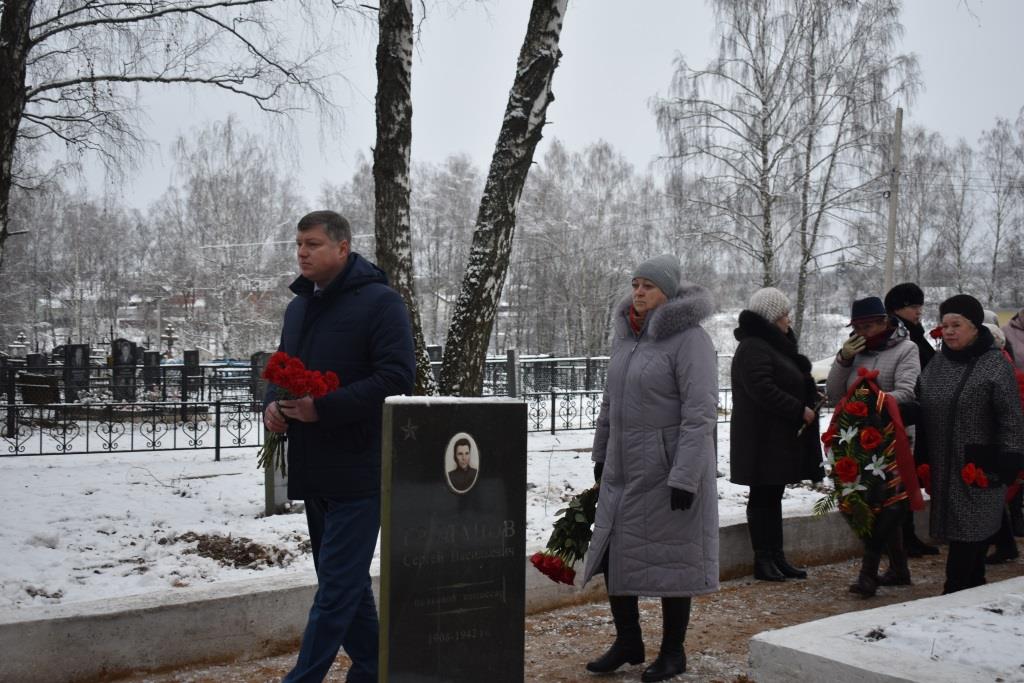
x=656 y=429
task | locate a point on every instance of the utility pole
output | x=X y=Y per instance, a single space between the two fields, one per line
x=894 y=190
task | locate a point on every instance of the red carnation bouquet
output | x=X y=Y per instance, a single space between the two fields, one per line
x=294 y=381
x=569 y=540
x=865 y=437
x=974 y=476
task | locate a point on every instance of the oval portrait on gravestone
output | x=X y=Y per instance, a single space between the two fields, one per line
x=461 y=463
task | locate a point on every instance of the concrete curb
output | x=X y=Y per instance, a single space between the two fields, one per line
x=258 y=617
x=824 y=651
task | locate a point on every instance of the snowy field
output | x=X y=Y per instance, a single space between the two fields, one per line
x=95 y=526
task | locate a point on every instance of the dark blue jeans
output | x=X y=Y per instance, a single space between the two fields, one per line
x=343 y=533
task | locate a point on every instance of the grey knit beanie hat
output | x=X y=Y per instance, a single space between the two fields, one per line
x=663 y=271
x=769 y=303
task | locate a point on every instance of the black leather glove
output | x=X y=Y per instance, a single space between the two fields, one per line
x=598 y=470
x=681 y=500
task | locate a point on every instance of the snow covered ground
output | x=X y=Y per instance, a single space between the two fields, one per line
x=88 y=527
x=987 y=635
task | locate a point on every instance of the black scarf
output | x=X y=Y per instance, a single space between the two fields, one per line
x=983 y=343
x=925 y=350
x=753 y=325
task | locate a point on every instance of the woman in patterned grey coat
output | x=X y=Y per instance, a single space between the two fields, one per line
x=971 y=413
x=656 y=531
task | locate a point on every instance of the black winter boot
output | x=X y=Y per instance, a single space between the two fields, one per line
x=671 y=661
x=898 y=573
x=773 y=524
x=867 y=581
x=765 y=568
x=628 y=647
x=785 y=568
x=764 y=561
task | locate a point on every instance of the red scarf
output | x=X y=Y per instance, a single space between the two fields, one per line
x=636 y=321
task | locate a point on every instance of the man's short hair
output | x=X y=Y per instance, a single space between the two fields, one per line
x=461 y=442
x=335 y=225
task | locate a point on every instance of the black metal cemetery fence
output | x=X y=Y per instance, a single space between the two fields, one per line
x=66 y=428
x=217 y=406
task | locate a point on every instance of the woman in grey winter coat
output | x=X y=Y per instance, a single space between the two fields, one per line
x=971 y=413
x=656 y=531
x=773 y=431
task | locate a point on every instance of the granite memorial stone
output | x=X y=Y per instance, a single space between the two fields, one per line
x=76 y=371
x=123 y=353
x=453 y=540
x=191 y=376
x=151 y=370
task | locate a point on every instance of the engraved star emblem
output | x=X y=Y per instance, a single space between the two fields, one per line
x=409 y=429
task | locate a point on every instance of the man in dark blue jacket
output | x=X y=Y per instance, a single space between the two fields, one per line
x=343 y=318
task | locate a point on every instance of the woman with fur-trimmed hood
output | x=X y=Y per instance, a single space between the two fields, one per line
x=656 y=531
x=773 y=392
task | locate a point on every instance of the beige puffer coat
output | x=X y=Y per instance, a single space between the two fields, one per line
x=898 y=366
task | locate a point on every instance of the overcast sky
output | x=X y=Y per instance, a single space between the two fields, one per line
x=615 y=58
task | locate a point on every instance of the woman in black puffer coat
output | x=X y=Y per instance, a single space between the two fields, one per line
x=773 y=392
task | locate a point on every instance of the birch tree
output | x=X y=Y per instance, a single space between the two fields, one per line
x=781 y=121
x=920 y=198
x=525 y=114
x=232 y=195
x=70 y=71
x=959 y=219
x=1004 y=175
x=391 y=160
x=445 y=199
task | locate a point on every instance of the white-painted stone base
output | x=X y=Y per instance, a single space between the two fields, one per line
x=255 y=617
x=824 y=650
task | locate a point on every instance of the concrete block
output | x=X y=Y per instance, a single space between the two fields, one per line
x=257 y=617
x=824 y=650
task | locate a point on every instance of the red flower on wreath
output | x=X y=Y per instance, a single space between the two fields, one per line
x=847 y=469
x=870 y=438
x=829 y=434
x=974 y=476
x=924 y=473
x=856 y=408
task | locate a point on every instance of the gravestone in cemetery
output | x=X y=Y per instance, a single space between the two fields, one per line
x=36 y=361
x=258 y=385
x=453 y=518
x=7 y=373
x=76 y=371
x=191 y=376
x=151 y=370
x=275 y=484
x=124 y=353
